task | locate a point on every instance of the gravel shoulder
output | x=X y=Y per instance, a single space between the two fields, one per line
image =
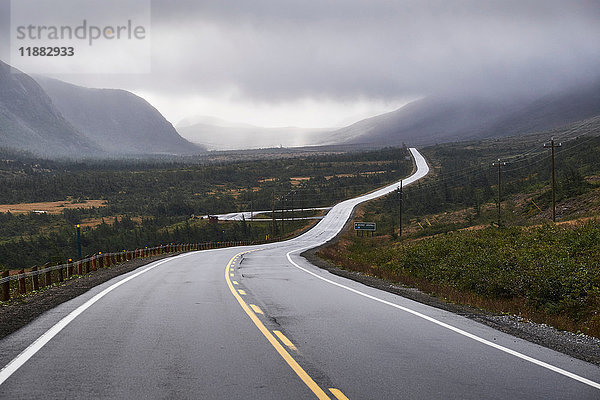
x=579 y=346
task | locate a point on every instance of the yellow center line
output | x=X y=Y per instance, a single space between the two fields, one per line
x=338 y=394
x=285 y=340
x=256 y=309
x=235 y=282
x=242 y=292
x=308 y=381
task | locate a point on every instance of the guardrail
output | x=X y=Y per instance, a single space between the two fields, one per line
x=24 y=282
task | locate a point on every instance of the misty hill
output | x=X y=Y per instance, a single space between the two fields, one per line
x=118 y=121
x=445 y=119
x=215 y=134
x=30 y=121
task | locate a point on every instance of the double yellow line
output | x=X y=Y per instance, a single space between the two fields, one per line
x=308 y=381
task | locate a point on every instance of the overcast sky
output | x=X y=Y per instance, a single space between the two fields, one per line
x=331 y=62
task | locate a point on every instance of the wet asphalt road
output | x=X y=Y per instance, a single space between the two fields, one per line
x=261 y=322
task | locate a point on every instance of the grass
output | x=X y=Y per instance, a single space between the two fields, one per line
x=548 y=274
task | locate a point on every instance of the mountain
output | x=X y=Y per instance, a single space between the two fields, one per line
x=446 y=118
x=216 y=134
x=118 y=121
x=30 y=121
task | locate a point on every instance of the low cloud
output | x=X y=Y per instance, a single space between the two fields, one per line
x=273 y=52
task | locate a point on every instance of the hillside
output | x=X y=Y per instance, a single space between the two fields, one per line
x=451 y=118
x=30 y=121
x=118 y=121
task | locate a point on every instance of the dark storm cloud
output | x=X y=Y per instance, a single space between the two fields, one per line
x=274 y=50
x=277 y=49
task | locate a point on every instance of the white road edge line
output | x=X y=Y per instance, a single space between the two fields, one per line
x=450 y=327
x=40 y=342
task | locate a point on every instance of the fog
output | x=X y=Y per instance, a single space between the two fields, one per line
x=328 y=62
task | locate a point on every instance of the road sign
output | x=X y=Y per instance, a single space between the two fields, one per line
x=365 y=226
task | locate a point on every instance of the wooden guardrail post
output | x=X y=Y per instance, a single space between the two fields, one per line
x=61 y=277
x=22 y=288
x=35 y=279
x=48 y=276
x=5 y=287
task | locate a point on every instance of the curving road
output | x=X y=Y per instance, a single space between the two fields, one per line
x=261 y=322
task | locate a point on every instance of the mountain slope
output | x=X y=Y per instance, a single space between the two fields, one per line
x=118 y=121
x=30 y=121
x=445 y=119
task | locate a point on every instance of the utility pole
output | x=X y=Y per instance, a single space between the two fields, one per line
x=79 y=241
x=282 y=215
x=292 y=206
x=273 y=214
x=499 y=164
x=552 y=145
x=400 y=195
x=251 y=203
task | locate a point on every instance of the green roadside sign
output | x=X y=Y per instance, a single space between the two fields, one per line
x=365 y=226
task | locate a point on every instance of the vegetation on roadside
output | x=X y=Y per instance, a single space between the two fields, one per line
x=548 y=274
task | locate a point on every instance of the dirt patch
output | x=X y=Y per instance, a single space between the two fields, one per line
x=94 y=222
x=49 y=207
x=297 y=180
x=18 y=312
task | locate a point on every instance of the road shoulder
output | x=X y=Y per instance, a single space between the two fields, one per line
x=578 y=346
x=19 y=312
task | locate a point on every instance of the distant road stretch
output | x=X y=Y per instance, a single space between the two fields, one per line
x=260 y=322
